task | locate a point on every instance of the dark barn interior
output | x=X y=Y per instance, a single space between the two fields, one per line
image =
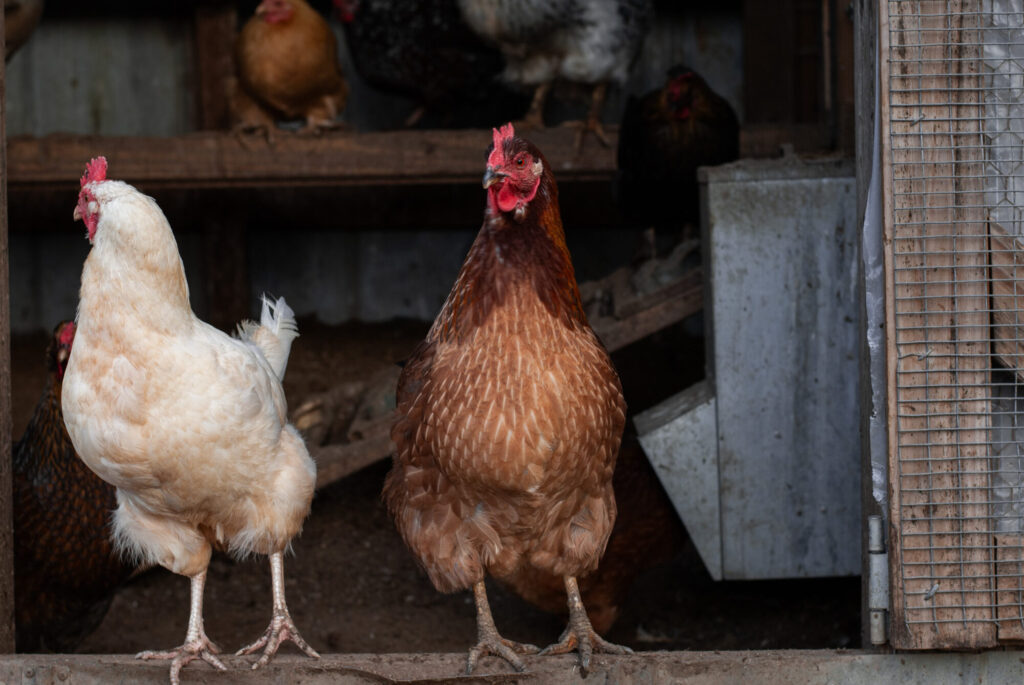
x=363 y=229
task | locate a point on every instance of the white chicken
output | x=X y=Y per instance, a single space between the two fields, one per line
x=188 y=423
x=592 y=43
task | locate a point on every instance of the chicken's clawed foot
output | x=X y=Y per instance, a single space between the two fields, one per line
x=488 y=639
x=200 y=648
x=579 y=634
x=588 y=126
x=281 y=628
x=491 y=642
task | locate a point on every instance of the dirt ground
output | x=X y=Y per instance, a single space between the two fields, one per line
x=353 y=587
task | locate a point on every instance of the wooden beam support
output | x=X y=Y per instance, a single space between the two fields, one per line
x=221 y=160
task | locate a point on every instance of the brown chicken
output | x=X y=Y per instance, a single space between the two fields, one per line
x=286 y=60
x=65 y=568
x=510 y=415
x=647 y=532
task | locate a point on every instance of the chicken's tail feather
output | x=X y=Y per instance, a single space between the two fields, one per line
x=273 y=334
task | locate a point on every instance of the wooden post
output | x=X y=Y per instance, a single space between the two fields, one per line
x=225 y=266
x=215 y=38
x=6 y=531
x=225 y=272
x=936 y=271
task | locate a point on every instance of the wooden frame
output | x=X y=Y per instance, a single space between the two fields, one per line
x=6 y=530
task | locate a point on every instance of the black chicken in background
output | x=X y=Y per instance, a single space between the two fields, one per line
x=425 y=51
x=65 y=567
x=664 y=136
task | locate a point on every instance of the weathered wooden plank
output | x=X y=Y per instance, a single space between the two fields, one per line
x=652 y=313
x=219 y=160
x=334 y=462
x=6 y=532
x=937 y=326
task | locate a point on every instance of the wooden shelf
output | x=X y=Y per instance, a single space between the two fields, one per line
x=211 y=160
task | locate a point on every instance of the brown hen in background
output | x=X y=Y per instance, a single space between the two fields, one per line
x=510 y=415
x=65 y=567
x=286 y=59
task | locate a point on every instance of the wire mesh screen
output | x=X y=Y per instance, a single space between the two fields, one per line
x=953 y=125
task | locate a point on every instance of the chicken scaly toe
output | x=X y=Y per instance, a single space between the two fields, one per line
x=592 y=123
x=534 y=118
x=488 y=639
x=580 y=634
x=197 y=644
x=281 y=626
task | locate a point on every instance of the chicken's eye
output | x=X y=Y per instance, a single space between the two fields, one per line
x=520 y=161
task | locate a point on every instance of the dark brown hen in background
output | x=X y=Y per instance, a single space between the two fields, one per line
x=65 y=569
x=665 y=135
x=510 y=414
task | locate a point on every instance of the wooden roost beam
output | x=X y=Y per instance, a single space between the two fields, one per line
x=221 y=160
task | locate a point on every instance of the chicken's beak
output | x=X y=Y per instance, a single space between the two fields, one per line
x=492 y=176
x=78 y=213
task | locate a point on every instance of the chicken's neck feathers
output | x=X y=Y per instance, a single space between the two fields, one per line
x=508 y=254
x=134 y=268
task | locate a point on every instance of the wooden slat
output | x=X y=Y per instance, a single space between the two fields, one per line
x=6 y=534
x=219 y=160
x=937 y=331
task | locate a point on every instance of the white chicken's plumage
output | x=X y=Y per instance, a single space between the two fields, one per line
x=187 y=422
x=584 y=42
x=590 y=42
x=274 y=334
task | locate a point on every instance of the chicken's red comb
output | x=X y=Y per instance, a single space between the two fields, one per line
x=67 y=334
x=502 y=134
x=95 y=170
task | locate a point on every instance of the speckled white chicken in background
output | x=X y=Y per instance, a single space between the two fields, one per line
x=591 y=42
x=188 y=423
